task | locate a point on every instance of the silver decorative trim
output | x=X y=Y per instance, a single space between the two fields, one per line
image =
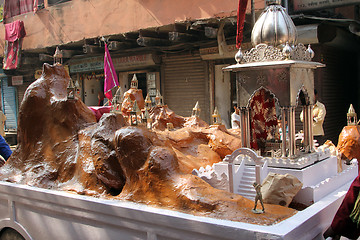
x=263 y=53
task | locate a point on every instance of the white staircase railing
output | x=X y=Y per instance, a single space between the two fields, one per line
x=245 y=185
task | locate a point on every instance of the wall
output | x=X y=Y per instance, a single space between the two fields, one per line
x=80 y=19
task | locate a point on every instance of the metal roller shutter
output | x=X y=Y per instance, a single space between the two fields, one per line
x=21 y=91
x=337 y=88
x=9 y=104
x=185 y=84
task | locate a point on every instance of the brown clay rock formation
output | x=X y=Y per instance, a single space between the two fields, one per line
x=60 y=144
x=62 y=147
x=153 y=177
x=133 y=94
x=47 y=124
x=161 y=115
x=195 y=122
x=198 y=147
x=349 y=142
x=191 y=148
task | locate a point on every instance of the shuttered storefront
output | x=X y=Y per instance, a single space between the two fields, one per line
x=9 y=104
x=337 y=87
x=21 y=91
x=185 y=83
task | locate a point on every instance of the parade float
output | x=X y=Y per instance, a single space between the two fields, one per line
x=143 y=172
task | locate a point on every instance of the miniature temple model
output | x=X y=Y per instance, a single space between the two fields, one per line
x=159 y=101
x=351 y=116
x=273 y=78
x=58 y=56
x=216 y=117
x=196 y=110
x=134 y=82
x=284 y=72
x=71 y=90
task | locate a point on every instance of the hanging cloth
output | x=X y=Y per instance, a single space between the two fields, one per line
x=111 y=79
x=263 y=118
x=14 y=32
x=240 y=22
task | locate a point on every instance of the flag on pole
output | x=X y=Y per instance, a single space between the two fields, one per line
x=111 y=79
x=240 y=22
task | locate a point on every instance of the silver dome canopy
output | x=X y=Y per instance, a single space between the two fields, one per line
x=274 y=26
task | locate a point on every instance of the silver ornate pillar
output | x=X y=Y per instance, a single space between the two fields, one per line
x=243 y=127
x=306 y=127
x=310 y=122
x=248 y=132
x=291 y=124
x=283 y=129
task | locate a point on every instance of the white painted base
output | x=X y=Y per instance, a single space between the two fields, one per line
x=37 y=213
x=317 y=171
x=312 y=174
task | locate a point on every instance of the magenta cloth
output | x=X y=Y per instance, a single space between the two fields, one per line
x=99 y=111
x=14 y=32
x=111 y=79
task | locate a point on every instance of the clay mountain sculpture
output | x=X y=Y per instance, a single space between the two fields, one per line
x=349 y=143
x=62 y=147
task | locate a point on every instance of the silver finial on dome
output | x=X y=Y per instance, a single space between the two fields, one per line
x=310 y=52
x=287 y=51
x=238 y=56
x=274 y=26
x=271 y=2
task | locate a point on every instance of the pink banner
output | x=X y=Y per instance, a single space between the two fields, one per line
x=111 y=79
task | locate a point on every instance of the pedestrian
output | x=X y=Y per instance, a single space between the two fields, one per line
x=2 y=123
x=5 y=151
x=101 y=98
x=319 y=112
x=235 y=118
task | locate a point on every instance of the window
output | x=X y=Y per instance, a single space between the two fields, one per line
x=18 y=7
x=54 y=2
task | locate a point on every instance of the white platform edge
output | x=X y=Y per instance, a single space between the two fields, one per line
x=306 y=224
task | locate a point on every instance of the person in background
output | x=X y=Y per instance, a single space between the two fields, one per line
x=2 y=123
x=5 y=151
x=235 y=118
x=319 y=112
x=101 y=98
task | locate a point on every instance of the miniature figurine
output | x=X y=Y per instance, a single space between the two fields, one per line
x=258 y=197
x=170 y=126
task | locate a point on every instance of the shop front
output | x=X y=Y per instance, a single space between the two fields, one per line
x=88 y=74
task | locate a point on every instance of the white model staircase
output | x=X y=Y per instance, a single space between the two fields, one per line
x=245 y=188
